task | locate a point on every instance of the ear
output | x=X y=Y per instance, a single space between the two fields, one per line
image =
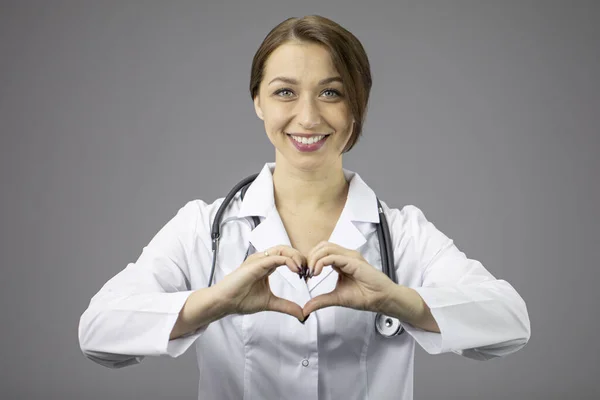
x=257 y=108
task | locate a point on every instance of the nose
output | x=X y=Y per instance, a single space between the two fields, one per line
x=309 y=115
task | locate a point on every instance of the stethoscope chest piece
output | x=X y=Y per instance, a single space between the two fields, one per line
x=388 y=326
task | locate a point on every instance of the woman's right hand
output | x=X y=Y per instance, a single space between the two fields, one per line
x=247 y=289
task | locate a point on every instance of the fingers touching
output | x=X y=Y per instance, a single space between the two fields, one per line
x=326 y=253
x=274 y=257
x=285 y=306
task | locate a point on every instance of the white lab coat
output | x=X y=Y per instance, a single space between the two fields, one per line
x=337 y=354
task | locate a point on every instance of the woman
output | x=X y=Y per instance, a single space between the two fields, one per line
x=310 y=84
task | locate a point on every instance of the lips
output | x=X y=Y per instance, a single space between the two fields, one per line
x=306 y=147
x=308 y=135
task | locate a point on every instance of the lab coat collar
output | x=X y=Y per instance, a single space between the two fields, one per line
x=259 y=200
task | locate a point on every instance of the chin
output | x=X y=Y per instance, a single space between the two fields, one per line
x=308 y=163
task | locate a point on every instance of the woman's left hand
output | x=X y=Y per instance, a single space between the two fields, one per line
x=360 y=285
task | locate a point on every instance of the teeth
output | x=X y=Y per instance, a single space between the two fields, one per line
x=305 y=140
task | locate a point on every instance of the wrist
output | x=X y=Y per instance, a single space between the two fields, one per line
x=221 y=302
x=207 y=306
x=416 y=311
x=403 y=303
x=202 y=307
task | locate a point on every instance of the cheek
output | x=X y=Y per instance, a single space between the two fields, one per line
x=342 y=123
x=339 y=117
x=274 y=123
x=275 y=117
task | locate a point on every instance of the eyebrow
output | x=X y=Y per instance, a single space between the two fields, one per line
x=293 y=81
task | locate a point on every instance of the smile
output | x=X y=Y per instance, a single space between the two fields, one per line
x=307 y=140
x=308 y=144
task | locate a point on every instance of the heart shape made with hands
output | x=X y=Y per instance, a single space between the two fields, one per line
x=360 y=285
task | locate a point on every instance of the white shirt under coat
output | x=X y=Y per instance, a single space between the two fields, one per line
x=337 y=353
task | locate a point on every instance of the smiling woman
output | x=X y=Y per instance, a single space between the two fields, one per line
x=296 y=46
x=300 y=100
x=303 y=216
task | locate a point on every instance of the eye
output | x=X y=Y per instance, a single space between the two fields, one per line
x=284 y=92
x=333 y=93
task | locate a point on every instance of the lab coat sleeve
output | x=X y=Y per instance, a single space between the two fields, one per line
x=480 y=317
x=132 y=315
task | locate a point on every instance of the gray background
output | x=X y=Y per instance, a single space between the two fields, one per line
x=113 y=114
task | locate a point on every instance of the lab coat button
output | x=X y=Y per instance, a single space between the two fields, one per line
x=305 y=363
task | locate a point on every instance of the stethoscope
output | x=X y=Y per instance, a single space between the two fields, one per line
x=387 y=326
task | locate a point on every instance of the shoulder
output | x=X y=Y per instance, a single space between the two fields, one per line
x=410 y=222
x=200 y=208
x=410 y=228
x=200 y=214
x=408 y=217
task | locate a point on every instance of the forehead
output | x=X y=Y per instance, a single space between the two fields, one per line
x=303 y=61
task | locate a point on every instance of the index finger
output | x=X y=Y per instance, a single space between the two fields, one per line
x=300 y=260
x=281 y=251
x=286 y=251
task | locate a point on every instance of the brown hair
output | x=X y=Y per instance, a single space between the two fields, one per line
x=347 y=54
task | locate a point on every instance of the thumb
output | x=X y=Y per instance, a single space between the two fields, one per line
x=321 y=301
x=285 y=306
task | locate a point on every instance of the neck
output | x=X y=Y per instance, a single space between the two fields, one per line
x=297 y=191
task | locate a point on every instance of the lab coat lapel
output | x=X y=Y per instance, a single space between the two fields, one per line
x=361 y=206
x=345 y=234
x=269 y=233
x=260 y=201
